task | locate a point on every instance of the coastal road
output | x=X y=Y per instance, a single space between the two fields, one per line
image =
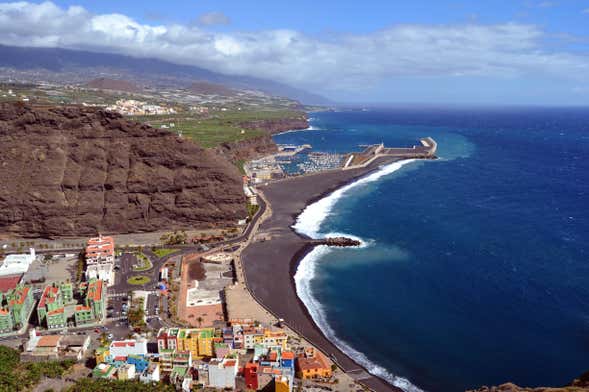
x=270 y=261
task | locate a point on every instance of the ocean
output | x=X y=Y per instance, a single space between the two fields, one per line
x=474 y=268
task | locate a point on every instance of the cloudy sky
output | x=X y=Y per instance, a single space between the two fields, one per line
x=436 y=51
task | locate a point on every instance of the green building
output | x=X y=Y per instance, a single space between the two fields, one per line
x=51 y=310
x=52 y=313
x=96 y=298
x=84 y=315
x=15 y=308
x=67 y=292
x=92 y=311
x=6 y=320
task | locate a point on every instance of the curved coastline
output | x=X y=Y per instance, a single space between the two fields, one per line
x=303 y=269
x=273 y=257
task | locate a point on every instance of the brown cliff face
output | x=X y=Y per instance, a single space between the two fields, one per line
x=581 y=384
x=248 y=149
x=76 y=171
x=262 y=145
x=278 y=125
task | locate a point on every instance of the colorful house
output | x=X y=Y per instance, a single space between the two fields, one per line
x=198 y=341
x=139 y=361
x=205 y=342
x=171 y=358
x=250 y=374
x=274 y=339
x=105 y=371
x=282 y=383
x=312 y=364
x=101 y=354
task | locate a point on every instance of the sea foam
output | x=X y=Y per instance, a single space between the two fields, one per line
x=309 y=223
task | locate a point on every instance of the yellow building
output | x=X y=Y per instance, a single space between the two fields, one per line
x=205 y=342
x=275 y=339
x=281 y=384
x=101 y=354
x=198 y=341
x=313 y=365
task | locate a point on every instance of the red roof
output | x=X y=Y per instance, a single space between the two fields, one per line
x=100 y=246
x=46 y=297
x=95 y=290
x=82 y=307
x=8 y=283
x=121 y=358
x=288 y=355
x=123 y=344
x=20 y=296
x=49 y=341
x=56 y=311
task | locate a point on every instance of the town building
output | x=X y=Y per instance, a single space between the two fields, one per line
x=250 y=374
x=51 y=309
x=9 y=282
x=94 y=307
x=15 y=308
x=312 y=364
x=17 y=264
x=74 y=346
x=126 y=372
x=104 y=371
x=151 y=374
x=172 y=358
x=282 y=383
x=50 y=347
x=100 y=259
x=181 y=378
x=222 y=373
x=125 y=348
x=199 y=341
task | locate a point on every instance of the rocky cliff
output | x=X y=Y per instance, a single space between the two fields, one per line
x=247 y=149
x=580 y=384
x=262 y=145
x=77 y=171
x=278 y=125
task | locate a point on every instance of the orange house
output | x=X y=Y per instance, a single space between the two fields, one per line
x=313 y=364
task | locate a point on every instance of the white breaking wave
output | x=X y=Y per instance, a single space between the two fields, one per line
x=309 y=223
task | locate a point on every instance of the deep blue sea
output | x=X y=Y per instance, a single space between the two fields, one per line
x=475 y=268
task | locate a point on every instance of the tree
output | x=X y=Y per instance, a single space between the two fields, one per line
x=199 y=320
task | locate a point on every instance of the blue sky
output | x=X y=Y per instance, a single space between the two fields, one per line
x=352 y=16
x=487 y=52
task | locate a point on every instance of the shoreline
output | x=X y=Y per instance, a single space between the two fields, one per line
x=277 y=250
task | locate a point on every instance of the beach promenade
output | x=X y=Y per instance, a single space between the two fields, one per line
x=270 y=260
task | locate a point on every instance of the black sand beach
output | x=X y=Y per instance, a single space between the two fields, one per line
x=271 y=260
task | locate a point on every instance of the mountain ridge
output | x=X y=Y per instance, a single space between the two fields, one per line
x=79 y=66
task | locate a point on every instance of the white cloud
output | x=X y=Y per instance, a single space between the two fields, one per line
x=342 y=62
x=586 y=11
x=213 y=18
